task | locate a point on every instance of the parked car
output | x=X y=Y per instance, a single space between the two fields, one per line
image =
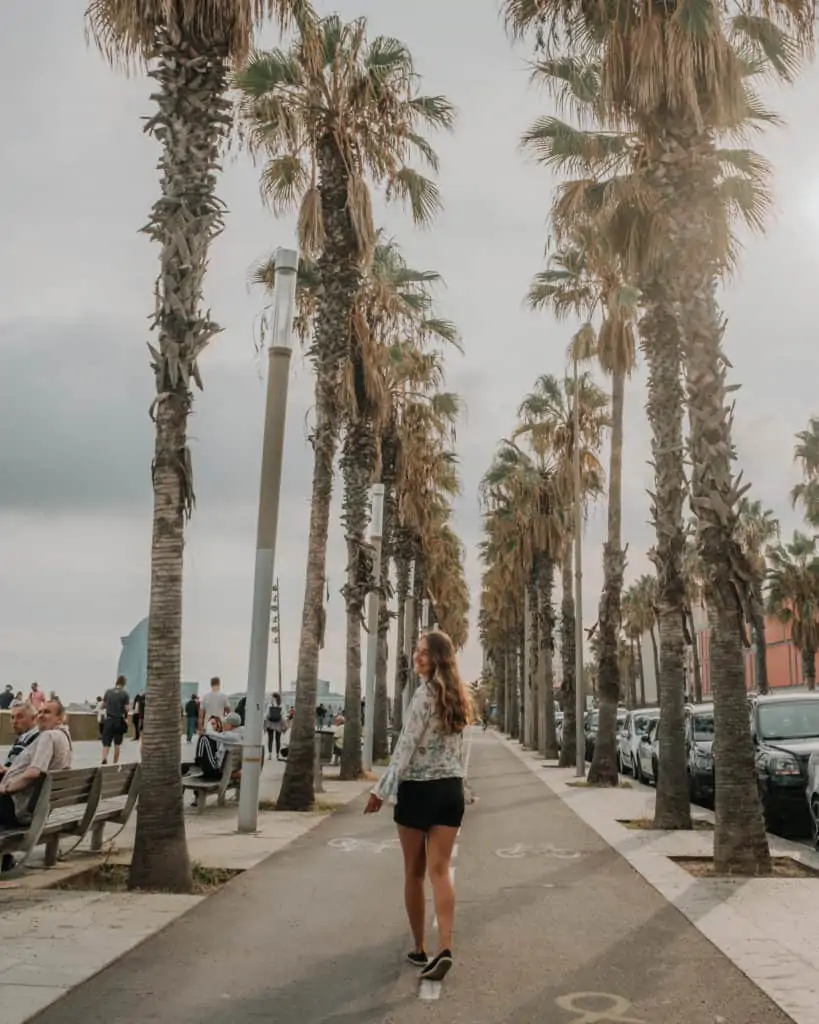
x=699 y=739
x=785 y=731
x=812 y=793
x=590 y=726
x=635 y=724
x=648 y=752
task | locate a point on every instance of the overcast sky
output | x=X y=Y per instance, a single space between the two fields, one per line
x=78 y=178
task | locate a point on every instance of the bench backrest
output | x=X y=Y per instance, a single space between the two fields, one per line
x=117 y=779
x=71 y=787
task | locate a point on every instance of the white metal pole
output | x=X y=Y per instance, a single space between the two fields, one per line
x=425 y=613
x=376 y=529
x=409 y=622
x=281 y=346
x=580 y=709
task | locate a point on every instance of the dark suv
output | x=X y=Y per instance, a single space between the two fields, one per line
x=699 y=739
x=785 y=730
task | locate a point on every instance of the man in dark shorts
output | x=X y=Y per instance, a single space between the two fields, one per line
x=115 y=724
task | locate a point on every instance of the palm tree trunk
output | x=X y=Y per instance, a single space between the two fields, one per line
x=571 y=729
x=191 y=88
x=545 y=612
x=652 y=632
x=758 y=626
x=381 y=746
x=809 y=668
x=509 y=674
x=642 y=671
x=533 y=697
x=357 y=463
x=339 y=276
x=603 y=770
x=663 y=351
x=381 y=716
x=402 y=569
x=499 y=672
x=160 y=859
x=695 y=657
x=740 y=842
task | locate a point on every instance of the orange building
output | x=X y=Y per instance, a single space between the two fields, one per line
x=784 y=661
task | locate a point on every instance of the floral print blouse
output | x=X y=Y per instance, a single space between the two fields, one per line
x=424 y=751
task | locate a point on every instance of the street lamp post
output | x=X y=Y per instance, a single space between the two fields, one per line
x=409 y=622
x=376 y=529
x=281 y=346
x=276 y=630
x=580 y=710
x=425 y=613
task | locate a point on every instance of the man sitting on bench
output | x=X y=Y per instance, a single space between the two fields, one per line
x=50 y=752
x=222 y=735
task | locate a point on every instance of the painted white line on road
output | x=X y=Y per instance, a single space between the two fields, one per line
x=429 y=990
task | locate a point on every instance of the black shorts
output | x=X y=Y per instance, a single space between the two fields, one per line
x=113 y=729
x=422 y=805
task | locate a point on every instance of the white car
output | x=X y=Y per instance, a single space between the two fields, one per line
x=628 y=739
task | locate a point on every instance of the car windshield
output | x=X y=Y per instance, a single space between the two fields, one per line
x=703 y=728
x=789 y=720
x=642 y=722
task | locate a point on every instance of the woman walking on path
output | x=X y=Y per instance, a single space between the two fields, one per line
x=425 y=778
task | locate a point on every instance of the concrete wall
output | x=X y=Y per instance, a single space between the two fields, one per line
x=81 y=724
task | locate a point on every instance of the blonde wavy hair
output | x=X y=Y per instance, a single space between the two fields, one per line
x=452 y=697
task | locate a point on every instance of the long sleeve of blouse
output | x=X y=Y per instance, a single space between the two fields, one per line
x=419 y=714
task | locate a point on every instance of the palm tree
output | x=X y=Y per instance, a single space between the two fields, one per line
x=332 y=113
x=634 y=625
x=758 y=528
x=806 y=452
x=547 y=418
x=190 y=48
x=793 y=596
x=692 y=575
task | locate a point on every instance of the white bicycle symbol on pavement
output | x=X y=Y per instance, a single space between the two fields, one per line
x=540 y=849
x=348 y=844
x=614 y=1012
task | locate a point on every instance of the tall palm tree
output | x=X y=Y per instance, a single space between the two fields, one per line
x=806 y=452
x=635 y=629
x=692 y=575
x=793 y=596
x=333 y=113
x=190 y=48
x=547 y=418
x=758 y=528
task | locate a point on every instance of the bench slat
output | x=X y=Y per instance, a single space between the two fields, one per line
x=117 y=780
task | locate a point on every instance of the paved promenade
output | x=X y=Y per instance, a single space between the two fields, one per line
x=553 y=927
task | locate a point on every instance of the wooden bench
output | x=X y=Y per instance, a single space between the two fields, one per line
x=202 y=787
x=70 y=802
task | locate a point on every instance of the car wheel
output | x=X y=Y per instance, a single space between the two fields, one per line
x=814 y=813
x=655 y=770
x=638 y=772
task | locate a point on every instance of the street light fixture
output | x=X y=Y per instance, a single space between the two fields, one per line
x=580 y=708
x=376 y=530
x=279 y=352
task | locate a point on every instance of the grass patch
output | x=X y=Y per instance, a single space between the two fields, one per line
x=323 y=807
x=697 y=825
x=781 y=867
x=114 y=878
x=267 y=805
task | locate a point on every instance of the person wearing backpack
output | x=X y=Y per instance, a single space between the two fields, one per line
x=274 y=723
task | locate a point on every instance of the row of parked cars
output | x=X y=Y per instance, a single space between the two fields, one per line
x=785 y=732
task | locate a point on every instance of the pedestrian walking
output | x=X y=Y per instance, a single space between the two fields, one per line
x=191 y=716
x=425 y=779
x=36 y=697
x=138 y=715
x=213 y=704
x=117 y=704
x=274 y=724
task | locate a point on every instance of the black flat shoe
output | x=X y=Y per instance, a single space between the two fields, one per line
x=438 y=968
x=418 y=959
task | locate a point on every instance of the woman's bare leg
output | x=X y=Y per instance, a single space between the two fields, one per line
x=440 y=841
x=413 y=846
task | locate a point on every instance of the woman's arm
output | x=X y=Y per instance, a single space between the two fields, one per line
x=418 y=716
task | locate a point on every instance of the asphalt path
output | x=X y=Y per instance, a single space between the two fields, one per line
x=552 y=927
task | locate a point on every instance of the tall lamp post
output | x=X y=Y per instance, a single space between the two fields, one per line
x=376 y=529
x=281 y=346
x=276 y=628
x=580 y=710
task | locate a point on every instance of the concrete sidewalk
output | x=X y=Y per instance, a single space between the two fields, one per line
x=554 y=927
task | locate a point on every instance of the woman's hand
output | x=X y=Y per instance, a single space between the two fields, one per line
x=373 y=804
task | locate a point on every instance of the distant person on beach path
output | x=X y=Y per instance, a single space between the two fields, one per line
x=115 y=725
x=426 y=779
x=214 y=704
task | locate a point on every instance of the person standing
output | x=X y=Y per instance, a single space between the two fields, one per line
x=274 y=724
x=214 y=704
x=36 y=697
x=115 y=725
x=138 y=714
x=191 y=716
x=6 y=697
x=426 y=780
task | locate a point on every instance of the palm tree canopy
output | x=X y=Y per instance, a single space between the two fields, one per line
x=334 y=89
x=126 y=30
x=793 y=588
